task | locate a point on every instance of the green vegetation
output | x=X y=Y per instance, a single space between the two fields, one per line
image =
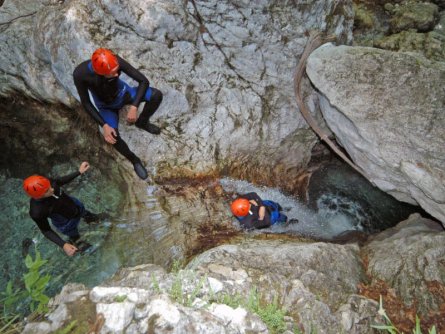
x=271 y=314
x=67 y=329
x=390 y=328
x=13 y=300
x=155 y=284
x=120 y=299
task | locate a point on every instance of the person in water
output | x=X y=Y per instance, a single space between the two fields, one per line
x=100 y=77
x=48 y=200
x=253 y=212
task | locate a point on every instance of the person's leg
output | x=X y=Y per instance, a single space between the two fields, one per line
x=122 y=147
x=90 y=217
x=66 y=227
x=87 y=216
x=111 y=117
x=153 y=99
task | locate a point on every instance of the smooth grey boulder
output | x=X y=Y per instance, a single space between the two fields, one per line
x=387 y=110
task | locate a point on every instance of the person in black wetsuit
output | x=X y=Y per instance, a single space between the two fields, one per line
x=48 y=200
x=100 y=77
x=254 y=213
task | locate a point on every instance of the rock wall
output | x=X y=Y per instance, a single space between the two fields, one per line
x=318 y=284
x=225 y=69
x=387 y=110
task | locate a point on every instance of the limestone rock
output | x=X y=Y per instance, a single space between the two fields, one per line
x=386 y=109
x=305 y=278
x=415 y=264
x=117 y=316
x=226 y=77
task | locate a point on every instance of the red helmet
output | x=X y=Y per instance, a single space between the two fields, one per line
x=36 y=186
x=240 y=207
x=104 y=61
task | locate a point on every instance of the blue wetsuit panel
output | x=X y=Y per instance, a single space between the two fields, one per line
x=110 y=111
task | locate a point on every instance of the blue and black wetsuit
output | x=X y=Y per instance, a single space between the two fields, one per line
x=63 y=210
x=272 y=213
x=111 y=94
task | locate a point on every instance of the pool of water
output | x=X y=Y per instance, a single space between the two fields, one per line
x=20 y=235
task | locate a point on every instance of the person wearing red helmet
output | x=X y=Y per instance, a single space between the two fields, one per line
x=48 y=200
x=254 y=213
x=100 y=76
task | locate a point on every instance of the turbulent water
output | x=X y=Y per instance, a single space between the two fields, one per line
x=323 y=223
x=340 y=200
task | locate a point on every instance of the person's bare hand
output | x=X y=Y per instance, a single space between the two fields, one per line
x=69 y=249
x=84 y=166
x=252 y=201
x=132 y=115
x=109 y=134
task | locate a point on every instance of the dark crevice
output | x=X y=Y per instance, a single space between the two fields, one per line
x=17 y=18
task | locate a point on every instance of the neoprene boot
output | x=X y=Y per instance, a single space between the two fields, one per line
x=149 y=127
x=140 y=170
x=82 y=245
x=90 y=217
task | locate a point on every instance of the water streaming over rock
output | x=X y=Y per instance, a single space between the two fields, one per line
x=340 y=201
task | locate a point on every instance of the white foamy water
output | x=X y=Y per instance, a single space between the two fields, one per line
x=334 y=215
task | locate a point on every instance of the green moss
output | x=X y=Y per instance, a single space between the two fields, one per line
x=363 y=17
x=413 y=15
x=431 y=45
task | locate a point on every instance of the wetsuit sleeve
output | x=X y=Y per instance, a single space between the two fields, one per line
x=82 y=90
x=263 y=223
x=66 y=179
x=135 y=75
x=247 y=222
x=46 y=230
x=253 y=196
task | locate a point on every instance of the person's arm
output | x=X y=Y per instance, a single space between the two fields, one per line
x=135 y=74
x=66 y=179
x=253 y=196
x=247 y=222
x=263 y=223
x=46 y=230
x=82 y=90
x=84 y=166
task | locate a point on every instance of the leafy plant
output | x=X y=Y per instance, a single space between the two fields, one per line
x=35 y=284
x=176 y=291
x=120 y=299
x=271 y=314
x=67 y=329
x=9 y=325
x=155 y=283
x=390 y=328
x=176 y=266
x=196 y=290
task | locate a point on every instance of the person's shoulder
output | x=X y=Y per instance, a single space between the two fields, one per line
x=81 y=69
x=120 y=59
x=35 y=208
